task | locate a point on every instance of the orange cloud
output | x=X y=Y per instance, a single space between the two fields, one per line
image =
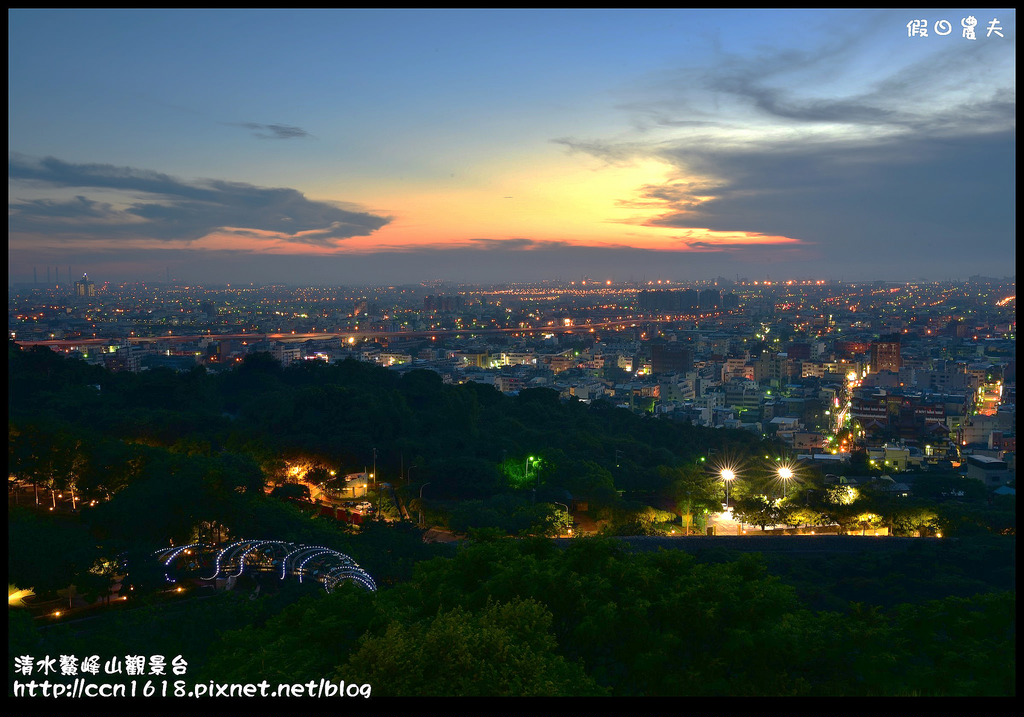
x=521 y=202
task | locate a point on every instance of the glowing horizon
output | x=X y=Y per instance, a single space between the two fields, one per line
x=482 y=143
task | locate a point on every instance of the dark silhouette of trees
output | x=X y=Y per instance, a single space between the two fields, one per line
x=603 y=620
x=503 y=650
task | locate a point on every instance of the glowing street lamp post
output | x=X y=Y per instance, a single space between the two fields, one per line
x=408 y=480
x=785 y=475
x=727 y=477
x=422 y=524
x=528 y=478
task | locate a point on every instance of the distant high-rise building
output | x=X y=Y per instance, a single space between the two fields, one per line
x=443 y=303
x=885 y=354
x=670 y=358
x=84 y=287
x=668 y=301
x=710 y=299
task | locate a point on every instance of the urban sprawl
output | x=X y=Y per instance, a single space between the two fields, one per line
x=916 y=374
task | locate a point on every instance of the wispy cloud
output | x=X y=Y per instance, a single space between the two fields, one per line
x=160 y=207
x=513 y=244
x=912 y=159
x=273 y=131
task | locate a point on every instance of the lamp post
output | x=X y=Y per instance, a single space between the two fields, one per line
x=567 y=521
x=421 y=503
x=785 y=475
x=530 y=458
x=687 y=519
x=807 y=493
x=727 y=477
x=408 y=480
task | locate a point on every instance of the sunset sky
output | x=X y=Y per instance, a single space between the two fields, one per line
x=376 y=146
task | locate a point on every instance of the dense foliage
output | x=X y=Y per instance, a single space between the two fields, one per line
x=183 y=457
x=456 y=435
x=524 y=617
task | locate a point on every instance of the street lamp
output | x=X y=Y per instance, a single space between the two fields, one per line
x=408 y=480
x=567 y=521
x=785 y=474
x=421 y=503
x=727 y=476
x=528 y=478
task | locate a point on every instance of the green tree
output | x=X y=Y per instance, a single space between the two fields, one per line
x=694 y=491
x=797 y=515
x=462 y=476
x=22 y=636
x=758 y=510
x=584 y=479
x=505 y=649
x=111 y=465
x=843 y=505
x=46 y=551
x=958 y=646
x=912 y=519
x=945 y=486
x=511 y=513
x=635 y=518
x=238 y=473
x=296 y=491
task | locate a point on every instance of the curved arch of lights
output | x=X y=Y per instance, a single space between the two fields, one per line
x=283 y=558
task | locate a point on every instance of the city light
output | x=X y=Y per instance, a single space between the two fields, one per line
x=832 y=400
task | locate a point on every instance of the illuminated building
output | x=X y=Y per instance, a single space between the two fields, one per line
x=885 y=354
x=909 y=416
x=84 y=287
x=850 y=349
x=775 y=369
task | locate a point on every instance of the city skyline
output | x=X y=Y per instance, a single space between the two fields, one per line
x=361 y=147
